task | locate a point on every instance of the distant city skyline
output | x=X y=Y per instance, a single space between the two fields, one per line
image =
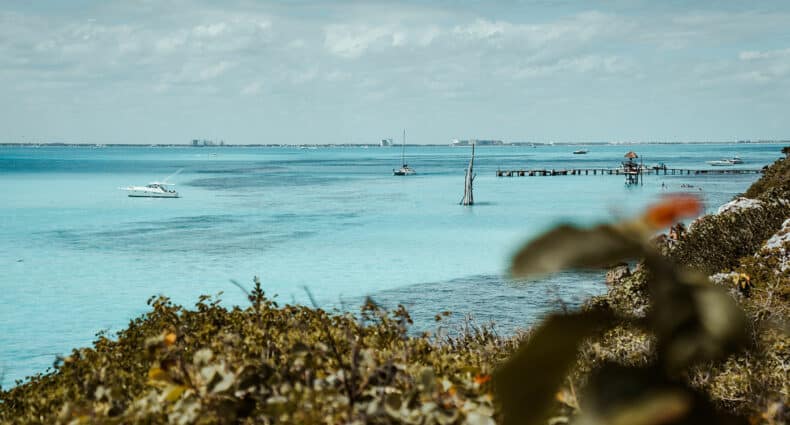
x=310 y=72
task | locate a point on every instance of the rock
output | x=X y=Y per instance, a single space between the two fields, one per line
x=780 y=238
x=617 y=273
x=739 y=204
x=722 y=278
x=778 y=246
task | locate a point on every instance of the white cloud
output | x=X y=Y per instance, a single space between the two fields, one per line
x=482 y=29
x=351 y=41
x=210 y=30
x=197 y=72
x=383 y=53
x=750 y=55
x=589 y=64
x=214 y=71
x=252 y=88
x=171 y=42
x=569 y=32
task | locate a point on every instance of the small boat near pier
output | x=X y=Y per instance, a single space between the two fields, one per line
x=726 y=162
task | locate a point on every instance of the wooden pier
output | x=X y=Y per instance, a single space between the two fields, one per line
x=619 y=172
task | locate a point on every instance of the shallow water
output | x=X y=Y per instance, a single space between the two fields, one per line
x=79 y=256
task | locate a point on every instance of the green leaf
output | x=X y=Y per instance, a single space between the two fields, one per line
x=527 y=383
x=716 y=328
x=173 y=393
x=570 y=247
x=627 y=395
x=693 y=320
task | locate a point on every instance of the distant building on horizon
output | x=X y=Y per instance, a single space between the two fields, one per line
x=198 y=143
x=477 y=142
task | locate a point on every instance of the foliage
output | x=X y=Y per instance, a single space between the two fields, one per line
x=693 y=322
x=752 y=382
x=775 y=181
x=717 y=242
x=266 y=364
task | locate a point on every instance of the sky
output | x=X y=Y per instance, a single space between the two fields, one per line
x=169 y=71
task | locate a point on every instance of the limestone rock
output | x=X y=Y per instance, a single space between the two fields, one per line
x=738 y=204
x=617 y=273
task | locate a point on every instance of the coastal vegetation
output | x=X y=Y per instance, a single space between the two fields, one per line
x=693 y=329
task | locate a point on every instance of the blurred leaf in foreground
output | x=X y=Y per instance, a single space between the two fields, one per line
x=693 y=320
x=571 y=247
x=622 y=395
x=527 y=383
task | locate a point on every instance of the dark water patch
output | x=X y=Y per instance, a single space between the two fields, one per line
x=244 y=170
x=311 y=217
x=510 y=305
x=203 y=233
x=85 y=165
x=260 y=181
x=484 y=204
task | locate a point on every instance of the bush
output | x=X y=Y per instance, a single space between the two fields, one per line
x=265 y=364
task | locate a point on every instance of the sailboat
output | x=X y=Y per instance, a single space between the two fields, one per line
x=404 y=170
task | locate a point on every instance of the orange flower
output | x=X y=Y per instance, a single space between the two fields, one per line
x=482 y=379
x=170 y=339
x=671 y=209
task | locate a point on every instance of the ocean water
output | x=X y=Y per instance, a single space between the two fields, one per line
x=78 y=256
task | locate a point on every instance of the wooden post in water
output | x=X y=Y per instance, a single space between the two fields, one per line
x=468 y=198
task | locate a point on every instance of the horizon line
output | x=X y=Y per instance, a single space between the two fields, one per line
x=487 y=143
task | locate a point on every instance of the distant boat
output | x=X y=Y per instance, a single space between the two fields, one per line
x=726 y=162
x=404 y=170
x=580 y=152
x=721 y=163
x=154 y=189
x=151 y=190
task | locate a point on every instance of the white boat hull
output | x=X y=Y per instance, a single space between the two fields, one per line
x=147 y=194
x=153 y=190
x=404 y=172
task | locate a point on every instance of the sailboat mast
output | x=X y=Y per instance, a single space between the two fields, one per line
x=403 y=149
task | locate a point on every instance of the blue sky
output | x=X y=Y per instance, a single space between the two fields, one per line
x=150 y=71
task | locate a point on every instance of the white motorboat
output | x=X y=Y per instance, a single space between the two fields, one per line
x=722 y=163
x=726 y=162
x=152 y=190
x=580 y=152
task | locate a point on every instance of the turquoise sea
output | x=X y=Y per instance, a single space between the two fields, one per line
x=78 y=256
